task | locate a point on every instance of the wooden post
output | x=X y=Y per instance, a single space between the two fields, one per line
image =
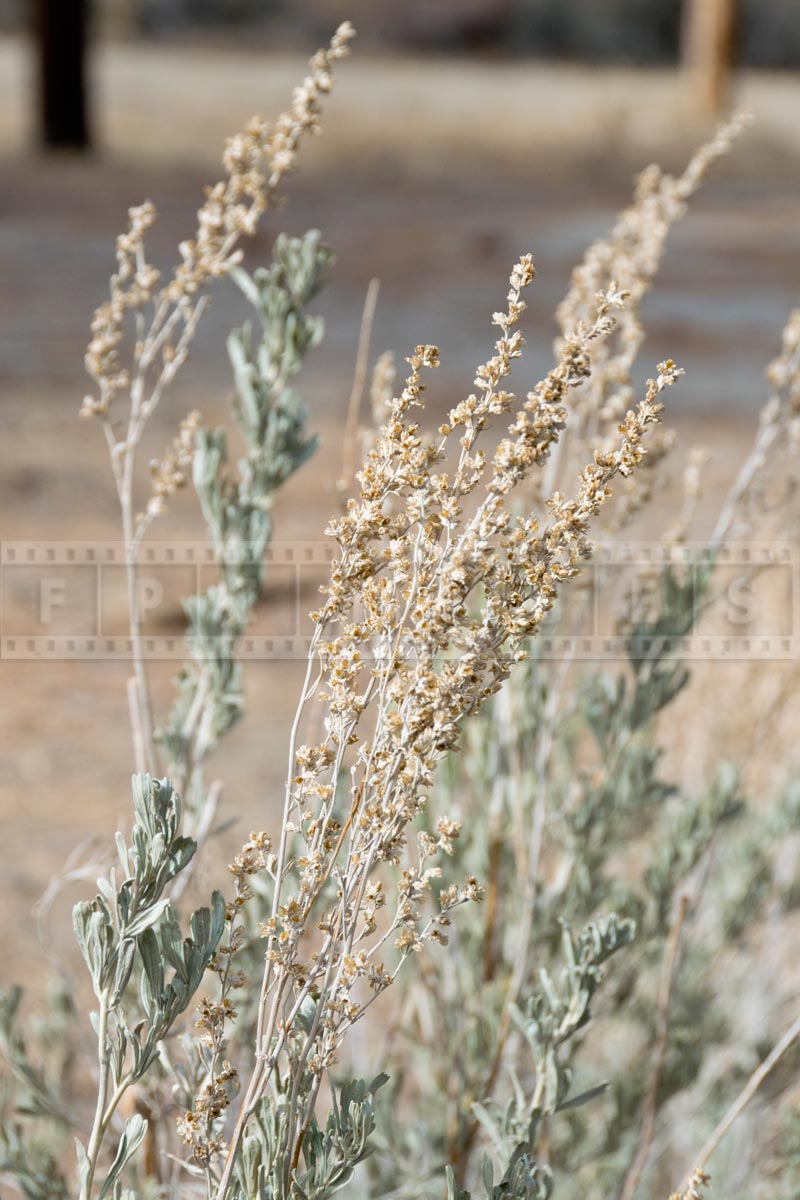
x=708 y=47
x=61 y=32
x=117 y=19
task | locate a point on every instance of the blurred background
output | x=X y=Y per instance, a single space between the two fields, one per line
x=636 y=31
x=461 y=133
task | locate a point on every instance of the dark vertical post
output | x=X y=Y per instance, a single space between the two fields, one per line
x=61 y=31
x=708 y=48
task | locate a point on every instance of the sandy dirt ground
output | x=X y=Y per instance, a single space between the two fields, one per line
x=432 y=176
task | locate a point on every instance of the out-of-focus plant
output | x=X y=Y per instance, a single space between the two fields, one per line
x=235 y=501
x=133 y=924
x=236 y=506
x=565 y=768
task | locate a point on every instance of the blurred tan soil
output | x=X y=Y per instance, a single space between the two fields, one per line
x=434 y=176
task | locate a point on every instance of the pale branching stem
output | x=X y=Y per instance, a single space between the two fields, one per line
x=350 y=440
x=753 y=464
x=141 y=409
x=178 y=358
x=668 y=976
x=106 y=1106
x=777 y=413
x=326 y=956
x=136 y=725
x=517 y=792
x=196 y=707
x=265 y=1027
x=189 y=769
x=755 y=1081
x=280 y=866
x=310 y=1106
x=99 y=1125
x=494 y=858
x=293 y=1146
x=544 y=750
x=162 y=321
x=231 y=211
x=144 y=707
x=265 y=1064
x=529 y=885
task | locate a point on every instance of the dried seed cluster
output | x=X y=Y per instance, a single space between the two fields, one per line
x=172 y=472
x=256 y=161
x=435 y=590
x=198 y=1127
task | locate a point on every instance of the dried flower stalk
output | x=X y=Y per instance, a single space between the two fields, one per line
x=164 y=317
x=396 y=608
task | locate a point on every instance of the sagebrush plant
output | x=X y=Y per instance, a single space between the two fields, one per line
x=457 y=830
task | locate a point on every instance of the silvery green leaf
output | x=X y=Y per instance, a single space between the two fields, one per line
x=107 y=890
x=119 y=1049
x=306 y=1014
x=245 y=378
x=151 y=959
x=125 y=956
x=172 y=944
x=213 y=924
x=182 y=851
x=243 y=281
x=80 y=923
x=93 y=930
x=147 y=918
x=129 y=1143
